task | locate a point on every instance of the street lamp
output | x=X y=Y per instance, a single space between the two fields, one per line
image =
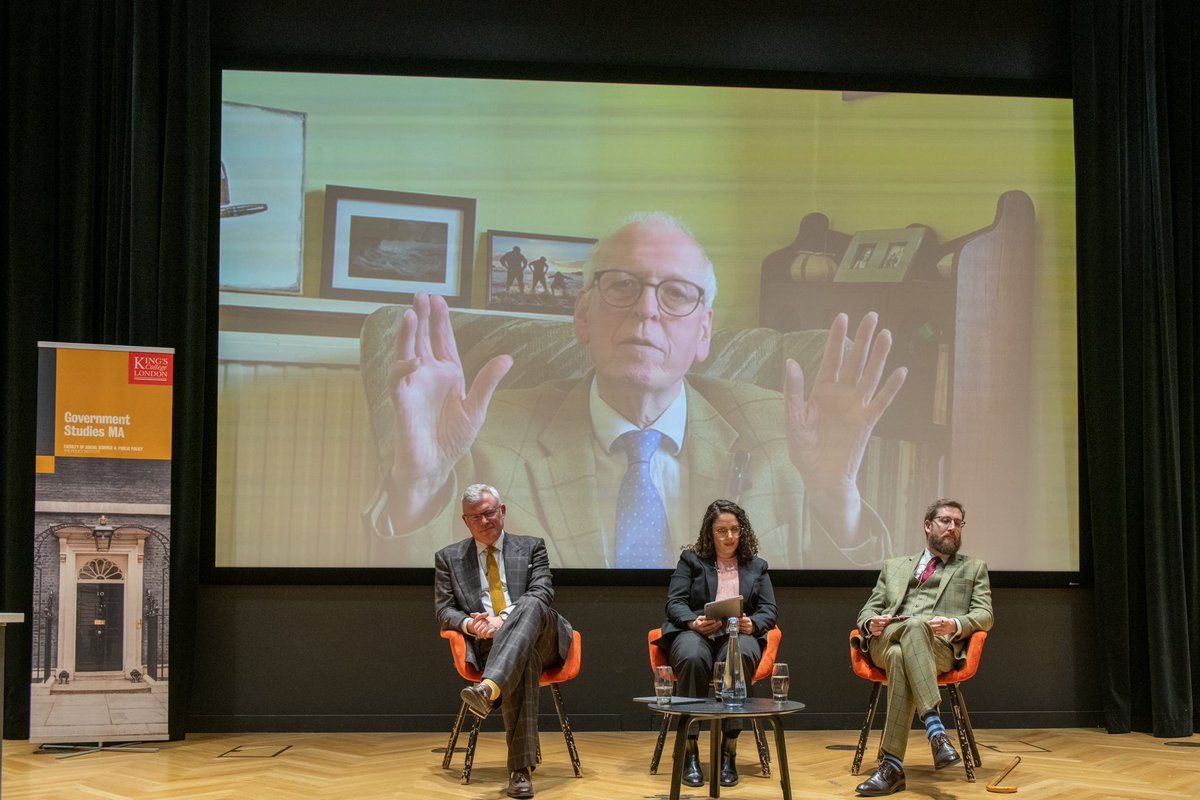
x=103 y=534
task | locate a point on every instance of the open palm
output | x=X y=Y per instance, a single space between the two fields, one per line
x=437 y=419
x=828 y=432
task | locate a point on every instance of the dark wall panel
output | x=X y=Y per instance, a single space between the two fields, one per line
x=282 y=658
x=922 y=43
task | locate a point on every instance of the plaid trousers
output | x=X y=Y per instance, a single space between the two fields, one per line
x=912 y=657
x=526 y=644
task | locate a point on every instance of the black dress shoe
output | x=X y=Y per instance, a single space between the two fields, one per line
x=944 y=754
x=884 y=781
x=520 y=784
x=729 y=776
x=692 y=776
x=478 y=699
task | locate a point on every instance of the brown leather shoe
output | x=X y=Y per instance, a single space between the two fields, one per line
x=884 y=781
x=520 y=784
x=944 y=754
x=478 y=699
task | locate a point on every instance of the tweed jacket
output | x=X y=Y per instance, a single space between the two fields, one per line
x=532 y=450
x=964 y=593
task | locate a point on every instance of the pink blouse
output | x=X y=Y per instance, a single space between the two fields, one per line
x=727 y=579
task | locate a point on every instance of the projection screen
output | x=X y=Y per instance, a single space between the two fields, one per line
x=345 y=199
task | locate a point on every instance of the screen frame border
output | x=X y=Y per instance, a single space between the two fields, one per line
x=211 y=574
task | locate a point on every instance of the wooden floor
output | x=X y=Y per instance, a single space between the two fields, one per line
x=1080 y=764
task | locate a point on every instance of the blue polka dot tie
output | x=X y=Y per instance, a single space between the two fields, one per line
x=641 y=516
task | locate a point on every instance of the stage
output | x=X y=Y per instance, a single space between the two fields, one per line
x=1080 y=764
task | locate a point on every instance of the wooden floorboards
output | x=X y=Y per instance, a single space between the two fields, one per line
x=1080 y=764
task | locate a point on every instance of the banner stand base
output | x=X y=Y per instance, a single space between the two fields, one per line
x=84 y=749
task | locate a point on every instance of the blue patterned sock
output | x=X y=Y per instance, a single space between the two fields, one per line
x=888 y=758
x=933 y=724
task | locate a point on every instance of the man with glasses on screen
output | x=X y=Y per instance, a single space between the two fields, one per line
x=496 y=588
x=915 y=626
x=611 y=467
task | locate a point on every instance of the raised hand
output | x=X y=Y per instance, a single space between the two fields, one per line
x=828 y=432
x=437 y=419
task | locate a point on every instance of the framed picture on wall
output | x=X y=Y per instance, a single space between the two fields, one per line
x=535 y=272
x=262 y=198
x=879 y=256
x=385 y=246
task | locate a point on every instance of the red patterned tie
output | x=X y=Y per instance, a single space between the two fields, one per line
x=927 y=573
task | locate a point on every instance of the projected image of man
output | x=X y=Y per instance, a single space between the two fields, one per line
x=605 y=466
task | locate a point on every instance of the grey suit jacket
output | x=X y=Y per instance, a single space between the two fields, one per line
x=965 y=593
x=457 y=591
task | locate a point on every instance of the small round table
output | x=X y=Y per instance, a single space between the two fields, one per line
x=691 y=712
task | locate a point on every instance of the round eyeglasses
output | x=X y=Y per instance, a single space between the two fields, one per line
x=622 y=289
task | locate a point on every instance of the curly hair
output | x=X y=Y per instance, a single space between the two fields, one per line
x=747 y=541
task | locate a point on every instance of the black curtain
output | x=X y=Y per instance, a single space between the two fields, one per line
x=1136 y=83
x=105 y=214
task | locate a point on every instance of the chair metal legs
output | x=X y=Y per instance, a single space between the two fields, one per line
x=872 y=705
x=473 y=736
x=966 y=734
x=764 y=752
x=458 y=722
x=658 y=744
x=565 y=724
x=469 y=761
x=962 y=723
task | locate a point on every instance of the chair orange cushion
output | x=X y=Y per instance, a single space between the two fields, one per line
x=864 y=669
x=568 y=670
x=659 y=659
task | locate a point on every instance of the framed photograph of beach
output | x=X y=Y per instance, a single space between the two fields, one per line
x=386 y=245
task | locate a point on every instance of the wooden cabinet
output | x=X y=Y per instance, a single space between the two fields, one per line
x=962 y=323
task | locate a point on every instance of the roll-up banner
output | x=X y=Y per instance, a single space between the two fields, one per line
x=101 y=544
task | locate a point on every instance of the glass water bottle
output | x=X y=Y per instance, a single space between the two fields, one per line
x=733 y=691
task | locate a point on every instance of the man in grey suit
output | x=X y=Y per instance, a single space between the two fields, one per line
x=916 y=625
x=497 y=589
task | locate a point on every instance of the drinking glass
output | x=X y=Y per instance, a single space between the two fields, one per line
x=718 y=679
x=664 y=684
x=779 y=682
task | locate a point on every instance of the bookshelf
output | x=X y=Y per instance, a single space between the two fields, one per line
x=961 y=322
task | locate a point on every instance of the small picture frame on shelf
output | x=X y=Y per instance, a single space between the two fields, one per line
x=535 y=273
x=883 y=256
x=385 y=246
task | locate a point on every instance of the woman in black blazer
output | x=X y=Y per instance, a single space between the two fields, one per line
x=692 y=643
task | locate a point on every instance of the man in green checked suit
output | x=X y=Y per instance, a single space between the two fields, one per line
x=916 y=625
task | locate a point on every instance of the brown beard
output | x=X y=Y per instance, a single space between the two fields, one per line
x=940 y=544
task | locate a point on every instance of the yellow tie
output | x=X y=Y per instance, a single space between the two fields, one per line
x=495 y=589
